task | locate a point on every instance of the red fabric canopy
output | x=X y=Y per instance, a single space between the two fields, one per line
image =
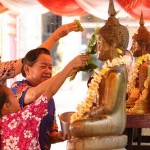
x=135 y=7
x=2 y=8
x=63 y=7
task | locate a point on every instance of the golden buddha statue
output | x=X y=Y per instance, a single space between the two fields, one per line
x=100 y=120
x=138 y=101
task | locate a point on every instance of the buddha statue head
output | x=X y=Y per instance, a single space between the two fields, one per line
x=141 y=40
x=112 y=36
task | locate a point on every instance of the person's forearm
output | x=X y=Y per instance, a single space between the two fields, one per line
x=18 y=66
x=50 y=42
x=10 y=69
x=34 y=92
x=56 y=82
x=52 y=85
x=60 y=32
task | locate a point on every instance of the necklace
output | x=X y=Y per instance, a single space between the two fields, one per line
x=92 y=92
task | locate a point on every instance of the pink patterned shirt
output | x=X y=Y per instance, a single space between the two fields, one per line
x=20 y=131
x=7 y=70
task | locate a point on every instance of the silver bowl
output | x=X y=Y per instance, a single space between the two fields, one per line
x=65 y=122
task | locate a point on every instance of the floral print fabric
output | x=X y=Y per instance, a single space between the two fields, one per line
x=20 y=131
x=7 y=70
x=48 y=122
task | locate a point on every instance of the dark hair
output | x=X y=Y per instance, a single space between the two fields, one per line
x=3 y=97
x=31 y=57
x=3 y=100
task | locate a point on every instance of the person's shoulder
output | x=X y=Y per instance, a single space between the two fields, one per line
x=18 y=83
x=19 y=86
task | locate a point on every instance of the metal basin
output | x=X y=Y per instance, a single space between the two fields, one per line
x=65 y=122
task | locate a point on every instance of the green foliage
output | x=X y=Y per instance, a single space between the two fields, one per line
x=73 y=76
x=91 y=49
x=79 y=25
x=90 y=67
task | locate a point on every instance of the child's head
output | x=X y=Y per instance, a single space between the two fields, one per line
x=8 y=102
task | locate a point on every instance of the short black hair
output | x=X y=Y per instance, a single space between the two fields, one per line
x=32 y=56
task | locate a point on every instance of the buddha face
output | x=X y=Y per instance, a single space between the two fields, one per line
x=137 y=48
x=102 y=48
x=134 y=47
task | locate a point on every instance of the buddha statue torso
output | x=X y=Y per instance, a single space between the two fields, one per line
x=107 y=121
x=109 y=117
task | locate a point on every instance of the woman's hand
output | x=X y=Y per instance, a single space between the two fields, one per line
x=60 y=32
x=67 y=28
x=58 y=137
x=78 y=63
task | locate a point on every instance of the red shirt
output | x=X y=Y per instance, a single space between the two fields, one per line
x=20 y=131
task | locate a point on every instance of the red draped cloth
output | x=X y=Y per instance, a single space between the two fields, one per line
x=63 y=7
x=2 y=8
x=134 y=7
x=24 y=6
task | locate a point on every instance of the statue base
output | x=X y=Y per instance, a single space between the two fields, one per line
x=98 y=143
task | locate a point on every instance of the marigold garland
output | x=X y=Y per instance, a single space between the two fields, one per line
x=133 y=78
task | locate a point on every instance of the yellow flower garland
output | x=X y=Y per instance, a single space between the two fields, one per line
x=92 y=92
x=134 y=75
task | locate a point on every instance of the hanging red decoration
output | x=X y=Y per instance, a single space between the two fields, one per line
x=63 y=7
x=147 y=3
x=2 y=8
x=135 y=7
x=24 y=6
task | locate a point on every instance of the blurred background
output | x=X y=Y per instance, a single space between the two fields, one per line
x=25 y=24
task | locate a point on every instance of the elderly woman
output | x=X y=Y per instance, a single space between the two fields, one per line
x=37 y=68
